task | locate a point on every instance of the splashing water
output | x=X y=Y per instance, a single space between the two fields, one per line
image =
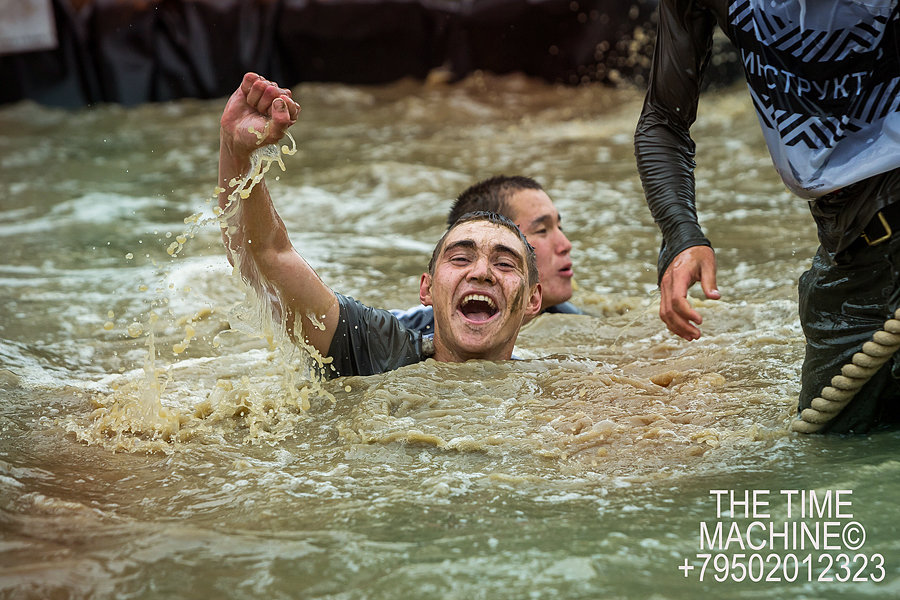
x=135 y=416
x=582 y=471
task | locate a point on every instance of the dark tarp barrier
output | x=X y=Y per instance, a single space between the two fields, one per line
x=133 y=51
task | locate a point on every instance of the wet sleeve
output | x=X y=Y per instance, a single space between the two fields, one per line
x=662 y=142
x=370 y=340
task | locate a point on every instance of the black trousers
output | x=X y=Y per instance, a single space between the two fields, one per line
x=843 y=301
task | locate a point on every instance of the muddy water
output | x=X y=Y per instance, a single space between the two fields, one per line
x=157 y=441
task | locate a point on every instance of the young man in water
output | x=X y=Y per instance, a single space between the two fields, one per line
x=482 y=279
x=824 y=77
x=525 y=202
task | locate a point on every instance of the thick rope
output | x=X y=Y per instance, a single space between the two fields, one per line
x=853 y=376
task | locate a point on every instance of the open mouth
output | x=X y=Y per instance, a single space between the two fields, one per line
x=478 y=308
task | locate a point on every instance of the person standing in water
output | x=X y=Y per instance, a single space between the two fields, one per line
x=482 y=279
x=825 y=83
x=523 y=201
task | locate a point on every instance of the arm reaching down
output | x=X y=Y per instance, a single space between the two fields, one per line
x=665 y=159
x=697 y=263
x=257 y=114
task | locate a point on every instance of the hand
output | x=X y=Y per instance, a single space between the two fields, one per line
x=258 y=113
x=697 y=263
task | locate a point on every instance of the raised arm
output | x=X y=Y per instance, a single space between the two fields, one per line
x=665 y=159
x=257 y=242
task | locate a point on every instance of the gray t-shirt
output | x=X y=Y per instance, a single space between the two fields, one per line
x=371 y=340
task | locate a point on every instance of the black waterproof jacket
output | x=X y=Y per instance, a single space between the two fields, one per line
x=824 y=78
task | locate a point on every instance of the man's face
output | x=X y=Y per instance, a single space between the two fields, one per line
x=480 y=292
x=538 y=219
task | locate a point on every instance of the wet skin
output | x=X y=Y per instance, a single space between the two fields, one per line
x=479 y=286
x=480 y=293
x=538 y=219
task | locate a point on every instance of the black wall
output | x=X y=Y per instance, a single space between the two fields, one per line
x=133 y=51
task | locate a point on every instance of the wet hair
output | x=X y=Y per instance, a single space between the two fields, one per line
x=491 y=195
x=496 y=219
